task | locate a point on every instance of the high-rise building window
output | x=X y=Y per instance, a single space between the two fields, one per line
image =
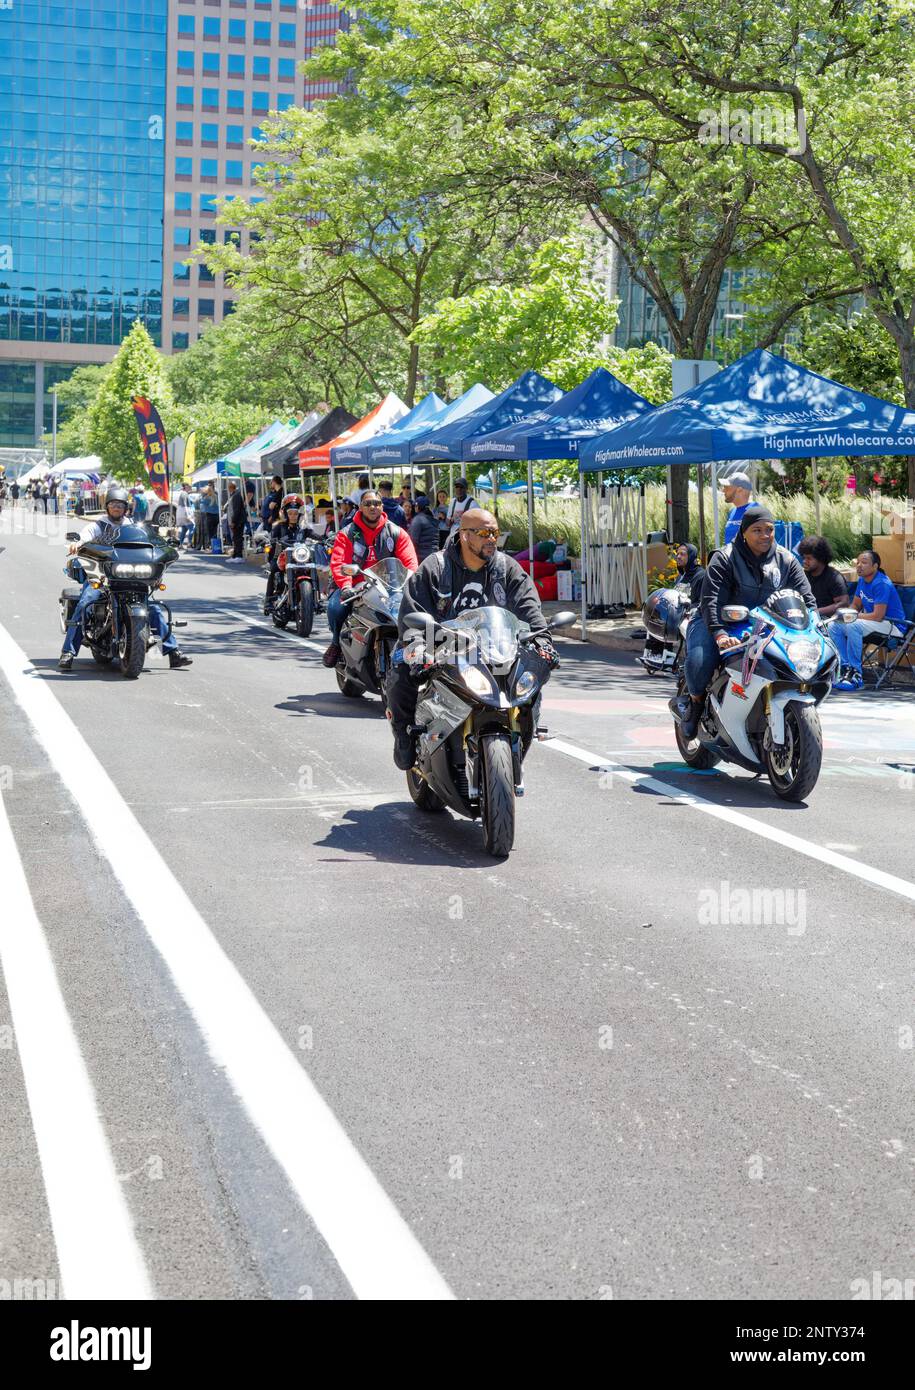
x=228 y=307
x=284 y=100
x=184 y=168
x=185 y=60
x=234 y=171
x=181 y=236
x=184 y=98
x=186 y=24
x=207 y=205
x=261 y=67
x=182 y=202
x=205 y=275
x=211 y=28
x=260 y=101
x=180 y=308
x=287 y=35
x=209 y=133
x=210 y=64
x=236 y=65
x=206 y=308
x=235 y=100
x=235 y=136
x=261 y=31
x=208 y=236
x=236 y=31
x=286 y=69
x=256 y=133
x=180 y=271
x=184 y=132
x=179 y=342
x=209 y=169
x=210 y=99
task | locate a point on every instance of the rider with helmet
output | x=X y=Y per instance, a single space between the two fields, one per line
x=116 y=504
x=286 y=530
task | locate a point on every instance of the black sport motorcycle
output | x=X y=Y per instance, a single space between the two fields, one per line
x=370 y=631
x=476 y=717
x=300 y=597
x=126 y=570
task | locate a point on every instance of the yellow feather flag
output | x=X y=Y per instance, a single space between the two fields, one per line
x=190 y=455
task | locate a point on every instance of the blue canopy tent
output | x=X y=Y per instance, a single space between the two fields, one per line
x=394 y=448
x=595 y=405
x=445 y=443
x=761 y=407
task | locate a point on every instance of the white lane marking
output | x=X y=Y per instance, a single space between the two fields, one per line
x=373 y=1245
x=269 y=627
x=877 y=877
x=97 y=1250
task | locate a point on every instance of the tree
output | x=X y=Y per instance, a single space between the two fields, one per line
x=220 y=426
x=74 y=396
x=366 y=228
x=112 y=433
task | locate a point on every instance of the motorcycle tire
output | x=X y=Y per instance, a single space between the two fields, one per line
x=131 y=649
x=497 y=795
x=349 y=688
x=694 y=754
x=280 y=619
x=99 y=657
x=793 y=775
x=305 y=612
x=424 y=797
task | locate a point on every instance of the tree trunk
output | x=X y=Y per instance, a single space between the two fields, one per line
x=412 y=375
x=679 y=504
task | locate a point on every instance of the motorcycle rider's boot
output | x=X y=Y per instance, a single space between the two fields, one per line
x=178 y=659
x=686 y=711
x=65 y=661
x=331 y=656
x=404 y=749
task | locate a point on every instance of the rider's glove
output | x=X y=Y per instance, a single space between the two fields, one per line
x=545 y=649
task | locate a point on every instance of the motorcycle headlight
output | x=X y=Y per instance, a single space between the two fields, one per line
x=475 y=680
x=122 y=571
x=805 y=656
x=525 y=686
x=301 y=554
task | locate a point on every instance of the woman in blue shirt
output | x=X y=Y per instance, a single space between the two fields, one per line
x=879 y=603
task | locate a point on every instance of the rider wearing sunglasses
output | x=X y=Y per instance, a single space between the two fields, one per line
x=469 y=572
x=362 y=542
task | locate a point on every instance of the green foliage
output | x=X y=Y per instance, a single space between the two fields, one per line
x=112 y=429
x=221 y=426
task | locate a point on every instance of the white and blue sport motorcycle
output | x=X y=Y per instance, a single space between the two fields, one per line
x=760 y=711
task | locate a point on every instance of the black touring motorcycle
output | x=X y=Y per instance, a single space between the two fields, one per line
x=300 y=597
x=126 y=570
x=476 y=717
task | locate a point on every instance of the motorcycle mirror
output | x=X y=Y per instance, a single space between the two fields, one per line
x=417 y=621
x=564 y=619
x=735 y=613
x=846 y=615
x=72 y=535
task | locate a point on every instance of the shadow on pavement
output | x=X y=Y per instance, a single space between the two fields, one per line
x=440 y=839
x=332 y=705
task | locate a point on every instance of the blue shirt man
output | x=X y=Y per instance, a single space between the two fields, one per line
x=737 y=489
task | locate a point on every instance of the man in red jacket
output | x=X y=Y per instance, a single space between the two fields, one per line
x=368 y=538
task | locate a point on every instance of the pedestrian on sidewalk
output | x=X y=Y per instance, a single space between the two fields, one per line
x=236 y=515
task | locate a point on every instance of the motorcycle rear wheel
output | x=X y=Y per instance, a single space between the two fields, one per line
x=281 y=617
x=99 y=657
x=794 y=768
x=694 y=754
x=497 y=795
x=424 y=797
x=349 y=688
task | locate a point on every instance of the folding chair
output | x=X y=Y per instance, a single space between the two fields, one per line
x=897 y=653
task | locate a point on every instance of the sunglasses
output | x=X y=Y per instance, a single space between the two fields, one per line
x=485 y=533
x=371 y=504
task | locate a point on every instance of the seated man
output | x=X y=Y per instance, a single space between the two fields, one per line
x=470 y=572
x=362 y=542
x=829 y=588
x=747 y=572
x=876 y=598
x=107 y=531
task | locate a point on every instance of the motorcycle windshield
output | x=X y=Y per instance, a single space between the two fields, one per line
x=497 y=631
x=391 y=572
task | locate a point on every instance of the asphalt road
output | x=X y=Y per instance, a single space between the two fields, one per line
x=268 y=1032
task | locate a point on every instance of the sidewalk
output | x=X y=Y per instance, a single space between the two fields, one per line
x=613 y=633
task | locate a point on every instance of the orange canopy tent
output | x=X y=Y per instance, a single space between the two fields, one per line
x=385 y=414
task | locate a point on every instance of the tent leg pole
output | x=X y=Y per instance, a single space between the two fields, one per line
x=700 y=478
x=584 y=554
x=530 y=517
x=816 y=495
x=716 y=520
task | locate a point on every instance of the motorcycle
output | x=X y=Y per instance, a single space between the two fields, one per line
x=300 y=597
x=760 y=711
x=126 y=571
x=476 y=718
x=369 y=633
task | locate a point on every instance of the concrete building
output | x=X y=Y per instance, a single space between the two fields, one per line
x=126 y=120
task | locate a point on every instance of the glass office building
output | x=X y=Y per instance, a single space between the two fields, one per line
x=81 y=191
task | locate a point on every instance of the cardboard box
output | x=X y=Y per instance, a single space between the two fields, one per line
x=564 y=586
x=897 y=556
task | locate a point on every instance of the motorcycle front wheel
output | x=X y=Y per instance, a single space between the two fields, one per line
x=424 y=797
x=305 y=612
x=131 y=647
x=794 y=766
x=349 y=688
x=497 y=795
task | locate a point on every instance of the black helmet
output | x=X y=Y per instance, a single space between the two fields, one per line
x=663 y=613
x=116 y=494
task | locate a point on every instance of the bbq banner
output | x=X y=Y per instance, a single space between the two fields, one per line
x=155 y=446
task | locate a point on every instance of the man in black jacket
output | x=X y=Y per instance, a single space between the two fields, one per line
x=470 y=572
x=235 y=515
x=746 y=572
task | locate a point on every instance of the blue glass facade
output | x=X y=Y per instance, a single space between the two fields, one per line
x=81 y=169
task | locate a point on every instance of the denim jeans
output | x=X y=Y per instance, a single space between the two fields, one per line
x=158 y=623
x=848 y=638
x=336 y=614
x=184 y=530
x=702 y=656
